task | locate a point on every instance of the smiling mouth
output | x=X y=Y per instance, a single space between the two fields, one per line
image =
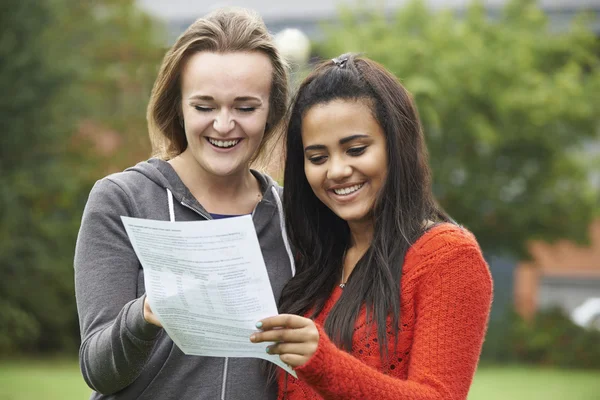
x=223 y=144
x=348 y=190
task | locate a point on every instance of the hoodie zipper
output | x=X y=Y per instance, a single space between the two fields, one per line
x=226 y=364
x=196 y=211
x=224 y=385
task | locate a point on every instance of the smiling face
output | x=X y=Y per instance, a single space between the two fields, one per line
x=225 y=105
x=345 y=157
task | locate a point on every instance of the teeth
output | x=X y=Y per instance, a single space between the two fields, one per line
x=223 y=143
x=348 y=190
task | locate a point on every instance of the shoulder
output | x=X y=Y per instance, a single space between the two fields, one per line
x=117 y=189
x=441 y=239
x=128 y=179
x=447 y=248
x=134 y=181
x=113 y=186
x=107 y=197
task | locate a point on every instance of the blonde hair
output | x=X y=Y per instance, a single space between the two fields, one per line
x=222 y=31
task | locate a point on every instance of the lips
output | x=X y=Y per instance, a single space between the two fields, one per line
x=347 y=190
x=224 y=144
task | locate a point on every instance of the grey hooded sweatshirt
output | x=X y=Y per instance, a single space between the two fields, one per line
x=121 y=355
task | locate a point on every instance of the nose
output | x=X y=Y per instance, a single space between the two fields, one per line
x=338 y=169
x=223 y=122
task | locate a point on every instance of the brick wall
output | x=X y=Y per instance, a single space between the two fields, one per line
x=556 y=262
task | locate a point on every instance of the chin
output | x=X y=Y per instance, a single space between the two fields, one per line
x=229 y=167
x=355 y=220
x=352 y=217
x=356 y=214
x=227 y=171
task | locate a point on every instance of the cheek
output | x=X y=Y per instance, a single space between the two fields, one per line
x=253 y=126
x=195 y=121
x=314 y=178
x=307 y=173
x=376 y=166
x=383 y=168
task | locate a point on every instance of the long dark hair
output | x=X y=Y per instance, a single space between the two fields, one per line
x=320 y=238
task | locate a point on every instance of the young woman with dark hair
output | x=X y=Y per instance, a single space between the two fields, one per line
x=391 y=298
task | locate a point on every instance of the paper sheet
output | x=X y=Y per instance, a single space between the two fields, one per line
x=207 y=283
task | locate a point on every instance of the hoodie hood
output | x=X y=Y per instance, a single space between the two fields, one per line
x=162 y=174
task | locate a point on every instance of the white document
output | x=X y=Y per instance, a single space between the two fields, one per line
x=207 y=283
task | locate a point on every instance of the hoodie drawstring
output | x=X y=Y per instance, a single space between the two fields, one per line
x=283 y=231
x=171 y=209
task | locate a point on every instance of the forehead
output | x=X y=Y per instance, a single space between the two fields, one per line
x=222 y=75
x=328 y=123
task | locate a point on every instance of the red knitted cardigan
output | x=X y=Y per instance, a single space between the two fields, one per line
x=446 y=293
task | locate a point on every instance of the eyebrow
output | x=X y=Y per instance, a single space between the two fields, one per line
x=237 y=99
x=314 y=147
x=342 y=142
x=351 y=138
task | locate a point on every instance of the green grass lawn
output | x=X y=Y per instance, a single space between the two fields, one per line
x=61 y=380
x=43 y=380
x=528 y=383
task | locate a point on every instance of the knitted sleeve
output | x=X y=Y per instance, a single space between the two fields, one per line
x=453 y=304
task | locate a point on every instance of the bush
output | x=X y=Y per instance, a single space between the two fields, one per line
x=550 y=339
x=17 y=330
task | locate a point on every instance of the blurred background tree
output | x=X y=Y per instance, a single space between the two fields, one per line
x=75 y=78
x=507 y=104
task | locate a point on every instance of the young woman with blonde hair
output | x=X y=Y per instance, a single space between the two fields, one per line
x=218 y=99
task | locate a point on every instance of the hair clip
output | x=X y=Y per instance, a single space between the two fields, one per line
x=341 y=60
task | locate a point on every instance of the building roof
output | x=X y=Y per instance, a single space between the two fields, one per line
x=319 y=9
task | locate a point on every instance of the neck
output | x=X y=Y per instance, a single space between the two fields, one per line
x=209 y=188
x=361 y=235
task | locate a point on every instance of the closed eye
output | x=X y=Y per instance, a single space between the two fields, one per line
x=203 y=108
x=356 y=151
x=317 y=160
x=246 y=109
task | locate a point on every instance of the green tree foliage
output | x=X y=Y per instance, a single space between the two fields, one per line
x=118 y=51
x=64 y=66
x=30 y=190
x=507 y=103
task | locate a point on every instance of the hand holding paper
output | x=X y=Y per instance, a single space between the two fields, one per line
x=149 y=315
x=296 y=338
x=207 y=283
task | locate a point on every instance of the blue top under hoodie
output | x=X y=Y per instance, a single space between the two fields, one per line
x=124 y=357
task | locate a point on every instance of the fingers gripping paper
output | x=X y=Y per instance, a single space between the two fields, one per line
x=207 y=283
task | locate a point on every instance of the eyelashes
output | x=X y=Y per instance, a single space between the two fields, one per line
x=245 y=110
x=203 y=109
x=352 y=152
x=318 y=160
x=356 y=151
